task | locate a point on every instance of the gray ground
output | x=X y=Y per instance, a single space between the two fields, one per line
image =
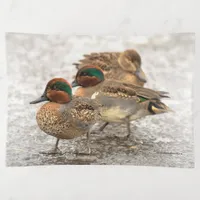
x=167 y=61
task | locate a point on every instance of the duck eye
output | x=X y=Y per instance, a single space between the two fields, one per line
x=83 y=74
x=54 y=87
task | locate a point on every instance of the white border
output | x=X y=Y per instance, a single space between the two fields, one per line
x=121 y=17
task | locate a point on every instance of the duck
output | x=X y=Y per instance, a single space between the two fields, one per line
x=124 y=66
x=64 y=116
x=121 y=102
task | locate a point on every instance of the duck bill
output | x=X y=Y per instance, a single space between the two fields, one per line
x=140 y=75
x=74 y=84
x=41 y=99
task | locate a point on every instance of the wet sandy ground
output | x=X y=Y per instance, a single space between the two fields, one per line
x=168 y=138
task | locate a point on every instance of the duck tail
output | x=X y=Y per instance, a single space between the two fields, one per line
x=157 y=107
x=163 y=94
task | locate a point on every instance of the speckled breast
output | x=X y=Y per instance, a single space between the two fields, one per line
x=51 y=122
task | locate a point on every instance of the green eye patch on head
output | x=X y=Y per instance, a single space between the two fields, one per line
x=62 y=86
x=93 y=72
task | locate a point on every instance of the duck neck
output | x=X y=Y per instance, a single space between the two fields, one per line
x=87 y=91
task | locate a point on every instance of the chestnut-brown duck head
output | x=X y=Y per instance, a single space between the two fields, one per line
x=57 y=90
x=88 y=76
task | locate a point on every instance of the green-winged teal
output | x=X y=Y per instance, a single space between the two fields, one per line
x=64 y=116
x=122 y=102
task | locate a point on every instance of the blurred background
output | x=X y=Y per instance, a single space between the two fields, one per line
x=168 y=63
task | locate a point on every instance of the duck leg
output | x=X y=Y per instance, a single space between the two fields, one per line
x=88 y=145
x=103 y=126
x=88 y=142
x=55 y=150
x=128 y=124
x=56 y=146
